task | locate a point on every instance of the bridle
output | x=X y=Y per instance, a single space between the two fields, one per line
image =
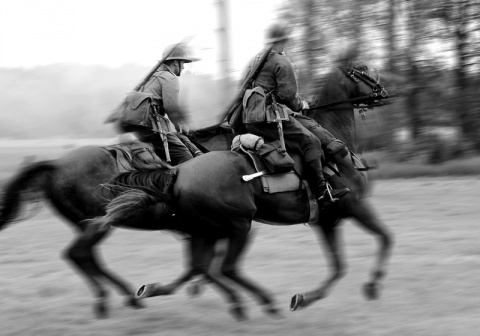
x=373 y=99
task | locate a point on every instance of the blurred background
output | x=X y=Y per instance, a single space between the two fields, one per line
x=64 y=64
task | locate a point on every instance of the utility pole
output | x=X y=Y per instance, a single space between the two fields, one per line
x=224 y=40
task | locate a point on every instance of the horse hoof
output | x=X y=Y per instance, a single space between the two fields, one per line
x=371 y=291
x=296 y=302
x=150 y=290
x=239 y=313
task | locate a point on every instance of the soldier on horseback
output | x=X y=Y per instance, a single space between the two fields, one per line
x=166 y=131
x=164 y=85
x=278 y=81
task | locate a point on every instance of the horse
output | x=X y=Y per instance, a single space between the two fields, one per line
x=73 y=185
x=200 y=200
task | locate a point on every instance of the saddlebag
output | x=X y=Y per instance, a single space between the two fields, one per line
x=276 y=159
x=134 y=110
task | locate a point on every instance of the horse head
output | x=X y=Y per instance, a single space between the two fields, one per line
x=348 y=86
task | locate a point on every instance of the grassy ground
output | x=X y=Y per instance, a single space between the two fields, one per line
x=431 y=289
x=432 y=286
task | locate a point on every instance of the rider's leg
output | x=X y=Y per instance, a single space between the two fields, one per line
x=334 y=148
x=318 y=185
x=179 y=153
x=300 y=139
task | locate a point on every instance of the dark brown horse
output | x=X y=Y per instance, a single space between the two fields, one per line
x=73 y=185
x=211 y=197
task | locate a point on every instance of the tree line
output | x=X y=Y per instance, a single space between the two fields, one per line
x=431 y=47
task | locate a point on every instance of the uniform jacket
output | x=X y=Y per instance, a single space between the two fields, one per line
x=277 y=74
x=165 y=88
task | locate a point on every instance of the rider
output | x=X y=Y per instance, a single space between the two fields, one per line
x=165 y=87
x=277 y=76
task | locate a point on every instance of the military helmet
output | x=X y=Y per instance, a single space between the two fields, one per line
x=176 y=52
x=277 y=32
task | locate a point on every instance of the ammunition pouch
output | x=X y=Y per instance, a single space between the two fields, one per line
x=254 y=106
x=276 y=159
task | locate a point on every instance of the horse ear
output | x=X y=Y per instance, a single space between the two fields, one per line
x=347 y=55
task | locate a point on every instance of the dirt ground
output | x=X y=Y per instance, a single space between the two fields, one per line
x=432 y=287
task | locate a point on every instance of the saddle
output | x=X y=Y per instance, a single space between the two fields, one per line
x=285 y=180
x=134 y=155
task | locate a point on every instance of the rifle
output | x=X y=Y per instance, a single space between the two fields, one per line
x=247 y=83
x=147 y=77
x=155 y=120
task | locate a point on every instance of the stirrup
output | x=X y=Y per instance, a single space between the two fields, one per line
x=328 y=191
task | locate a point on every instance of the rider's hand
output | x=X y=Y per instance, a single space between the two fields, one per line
x=305 y=105
x=183 y=128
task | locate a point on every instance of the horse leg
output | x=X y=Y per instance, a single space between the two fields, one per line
x=201 y=252
x=237 y=308
x=237 y=244
x=197 y=285
x=82 y=255
x=328 y=230
x=367 y=219
x=198 y=250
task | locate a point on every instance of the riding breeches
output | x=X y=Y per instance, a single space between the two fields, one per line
x=297 y=138
x=334 y=148
x=179 y=153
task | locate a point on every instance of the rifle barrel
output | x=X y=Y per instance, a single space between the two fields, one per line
x=248 y=81
x=185 y=40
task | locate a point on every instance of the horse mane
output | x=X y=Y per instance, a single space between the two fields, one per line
x=156 y=182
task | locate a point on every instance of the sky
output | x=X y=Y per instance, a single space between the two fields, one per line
x=117 y=32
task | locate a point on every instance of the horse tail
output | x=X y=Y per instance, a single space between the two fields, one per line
x=25 y=188
x=123 y=207
x=136 y=191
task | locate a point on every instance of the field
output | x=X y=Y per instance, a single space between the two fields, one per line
x=431 y=289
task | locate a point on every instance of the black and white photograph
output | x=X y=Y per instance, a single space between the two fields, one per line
x=239 y=167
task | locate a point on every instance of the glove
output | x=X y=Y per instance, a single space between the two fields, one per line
x=183 y=128
x=305 y=105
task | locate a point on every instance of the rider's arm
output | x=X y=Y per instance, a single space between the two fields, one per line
x=170 y=96
x=286 y=92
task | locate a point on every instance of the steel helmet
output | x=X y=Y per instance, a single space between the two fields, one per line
x=277 y=32
x=176 y=52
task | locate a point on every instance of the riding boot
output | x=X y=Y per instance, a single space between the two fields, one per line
x=324 y=194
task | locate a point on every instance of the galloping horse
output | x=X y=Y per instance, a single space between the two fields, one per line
x=73 y=185
x=211 y=197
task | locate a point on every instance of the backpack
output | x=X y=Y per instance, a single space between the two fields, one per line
x=134 y=110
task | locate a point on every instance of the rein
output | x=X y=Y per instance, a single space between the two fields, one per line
x=371 y=100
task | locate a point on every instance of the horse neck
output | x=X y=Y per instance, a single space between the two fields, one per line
x=341 y=123
x=338 y=119
x=213 y=138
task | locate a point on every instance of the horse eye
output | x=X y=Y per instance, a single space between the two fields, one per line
x=365 y=68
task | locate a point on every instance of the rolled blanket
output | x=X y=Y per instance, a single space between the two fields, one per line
x=248 y=141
